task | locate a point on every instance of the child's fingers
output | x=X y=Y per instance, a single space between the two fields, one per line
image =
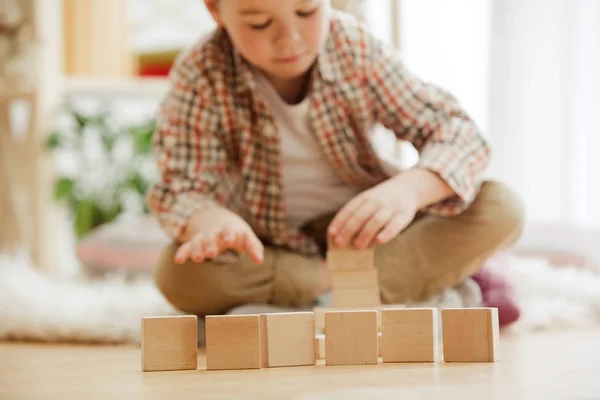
x=239 y=242
x=373 y=226
x=242 y=242
x=198 y=248
x=393 y=228
x=338 y=222
x=227 y=238
x=355 y=222
x=248 y=243
x=211 y=247
x=255 y=248
x=183 y=253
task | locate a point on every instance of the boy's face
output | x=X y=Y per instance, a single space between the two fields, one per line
x=280 y=37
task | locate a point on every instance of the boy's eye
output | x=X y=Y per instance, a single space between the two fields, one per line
x=306 y=14
x=260 y=27
x=300 y=13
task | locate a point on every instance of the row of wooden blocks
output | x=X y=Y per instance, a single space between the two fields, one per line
x=351 y=338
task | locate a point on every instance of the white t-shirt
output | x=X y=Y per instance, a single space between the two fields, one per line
x=311 y=186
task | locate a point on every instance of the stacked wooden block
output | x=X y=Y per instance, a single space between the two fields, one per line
x=352 y=337
x=355 y=280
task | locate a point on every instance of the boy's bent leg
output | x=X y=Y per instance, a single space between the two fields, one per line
x=284 y=279
x=434 y=253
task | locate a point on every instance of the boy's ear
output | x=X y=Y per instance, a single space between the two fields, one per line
x=213 y=8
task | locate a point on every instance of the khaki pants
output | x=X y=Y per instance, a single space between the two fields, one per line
x=431 y=254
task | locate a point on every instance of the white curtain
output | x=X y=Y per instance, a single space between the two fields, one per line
x=544 y=106
x=528 y=71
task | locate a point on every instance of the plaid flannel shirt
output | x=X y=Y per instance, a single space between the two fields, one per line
x=216 y=141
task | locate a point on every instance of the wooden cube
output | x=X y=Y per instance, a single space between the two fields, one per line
x=355 y=288
x=321 y=311
x=320 y=346
x=169 y=343
x=366 y=297
x=344 y=259
x=470 y=335
x=409 y=335
x=287 y=339
x=233 y=342
x=351 y=338
x=355 y=279
x=348 y=257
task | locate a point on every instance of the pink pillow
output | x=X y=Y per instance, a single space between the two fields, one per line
x=128 y=244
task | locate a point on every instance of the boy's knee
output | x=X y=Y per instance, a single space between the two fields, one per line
x=192 y=288
x=441 y=252
x=500 y=210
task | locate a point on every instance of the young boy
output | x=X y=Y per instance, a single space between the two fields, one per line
x=264 y=143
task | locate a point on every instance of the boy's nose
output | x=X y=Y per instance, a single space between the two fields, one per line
x=288 y=39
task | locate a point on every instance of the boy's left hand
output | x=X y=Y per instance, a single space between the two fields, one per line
x=380 y=213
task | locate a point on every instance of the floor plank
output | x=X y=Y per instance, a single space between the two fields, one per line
x=548 y=366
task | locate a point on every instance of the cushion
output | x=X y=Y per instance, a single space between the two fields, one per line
x=129 y=244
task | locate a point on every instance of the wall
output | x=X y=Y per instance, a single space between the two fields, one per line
x=167 y=24
x=545 y=98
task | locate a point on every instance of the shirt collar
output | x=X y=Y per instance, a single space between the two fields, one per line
x=244 y=79
x=326 y=60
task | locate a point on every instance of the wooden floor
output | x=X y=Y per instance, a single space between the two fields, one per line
x=542 y=366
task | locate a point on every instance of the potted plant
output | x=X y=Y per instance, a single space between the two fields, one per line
x=105 y=168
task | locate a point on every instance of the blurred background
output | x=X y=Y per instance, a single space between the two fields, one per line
x=80 y=81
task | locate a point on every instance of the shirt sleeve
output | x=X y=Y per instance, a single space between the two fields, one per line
x=188 y=151
x=448 y=142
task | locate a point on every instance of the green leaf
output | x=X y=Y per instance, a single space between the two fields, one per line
x=108 y=140
x=110 y=215
x=142 y=136
x=53 y=141
x=81 y=120
x=63 y=188
x=138 y=184
x=84 y=218
x=143 y=143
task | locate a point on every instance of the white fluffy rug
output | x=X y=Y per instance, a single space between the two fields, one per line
x=33 y=307
x=551 y=297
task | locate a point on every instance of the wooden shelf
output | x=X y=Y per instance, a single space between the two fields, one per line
x=151 y=88
x=8 y=92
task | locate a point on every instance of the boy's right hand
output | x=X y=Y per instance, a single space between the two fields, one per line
x=213 y=231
